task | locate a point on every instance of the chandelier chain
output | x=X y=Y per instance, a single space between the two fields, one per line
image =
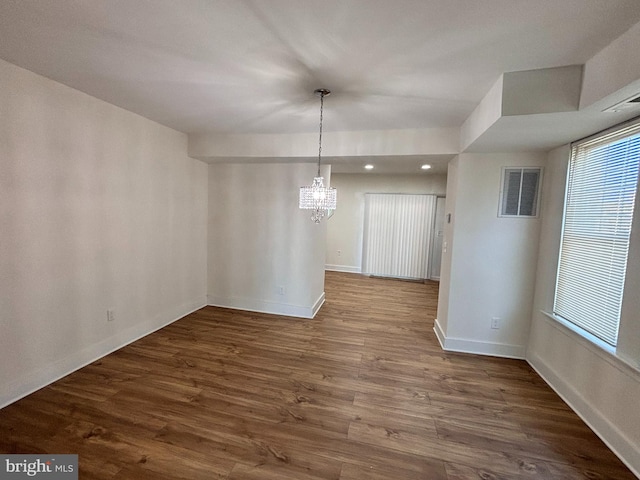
x=322 y=94
x=319 y=199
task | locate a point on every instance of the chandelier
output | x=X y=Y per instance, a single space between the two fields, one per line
x=318 y=198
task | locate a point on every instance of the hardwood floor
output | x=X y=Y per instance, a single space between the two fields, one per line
x=363 y=391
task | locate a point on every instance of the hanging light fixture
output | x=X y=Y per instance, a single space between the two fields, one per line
x=318 y=198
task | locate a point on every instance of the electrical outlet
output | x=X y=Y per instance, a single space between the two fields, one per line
x=339 y=252
x=495 y=323
x=110 y=316
x=280 y=290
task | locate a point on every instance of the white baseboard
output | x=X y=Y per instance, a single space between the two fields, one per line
x=439 y=333
x=342 y=268
x=49 y=373
x=464 y=345
x=317 y=305
x=264 y=306
x=626 y=450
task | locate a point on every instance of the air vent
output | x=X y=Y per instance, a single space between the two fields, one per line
x=631 y=103
x=519 y=196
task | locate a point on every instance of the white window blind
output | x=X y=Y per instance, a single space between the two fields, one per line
x=601 y=189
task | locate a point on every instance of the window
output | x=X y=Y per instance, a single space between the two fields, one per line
x=601 y=188
x=519 y=194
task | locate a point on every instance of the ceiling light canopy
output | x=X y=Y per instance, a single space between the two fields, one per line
x=318 y=198
x=425 y=167
x=368 y=166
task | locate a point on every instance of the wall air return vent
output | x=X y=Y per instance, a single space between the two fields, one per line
x=520 y=192
x=631 y=103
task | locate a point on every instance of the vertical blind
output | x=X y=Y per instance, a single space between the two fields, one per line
x=397 y=234
x=601 y=190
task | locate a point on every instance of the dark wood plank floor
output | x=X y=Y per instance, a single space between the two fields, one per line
x=361 y=392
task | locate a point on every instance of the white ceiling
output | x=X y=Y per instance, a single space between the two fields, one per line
x=242 y=66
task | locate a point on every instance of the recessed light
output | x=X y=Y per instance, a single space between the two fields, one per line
x=369 y=166
x=425 y=167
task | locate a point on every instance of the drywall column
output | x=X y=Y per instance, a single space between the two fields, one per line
x=488 y=269
x=265 y=254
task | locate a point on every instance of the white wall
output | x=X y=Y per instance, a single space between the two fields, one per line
x=615 y=70
x=345 y=228
x=259 y=240
x=601 y=388
x=544 y=90
x=488 y=112
x=447 y=248
x=425 y=141
x=99 y=209
x=629 y=335
x=490 y=262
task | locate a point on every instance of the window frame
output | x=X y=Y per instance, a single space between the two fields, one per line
x=633 y=128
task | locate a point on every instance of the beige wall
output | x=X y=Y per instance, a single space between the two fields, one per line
x=345 y=228
x=99 y=209
x=265 y=254
x=601 y=387
x=490 y=263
